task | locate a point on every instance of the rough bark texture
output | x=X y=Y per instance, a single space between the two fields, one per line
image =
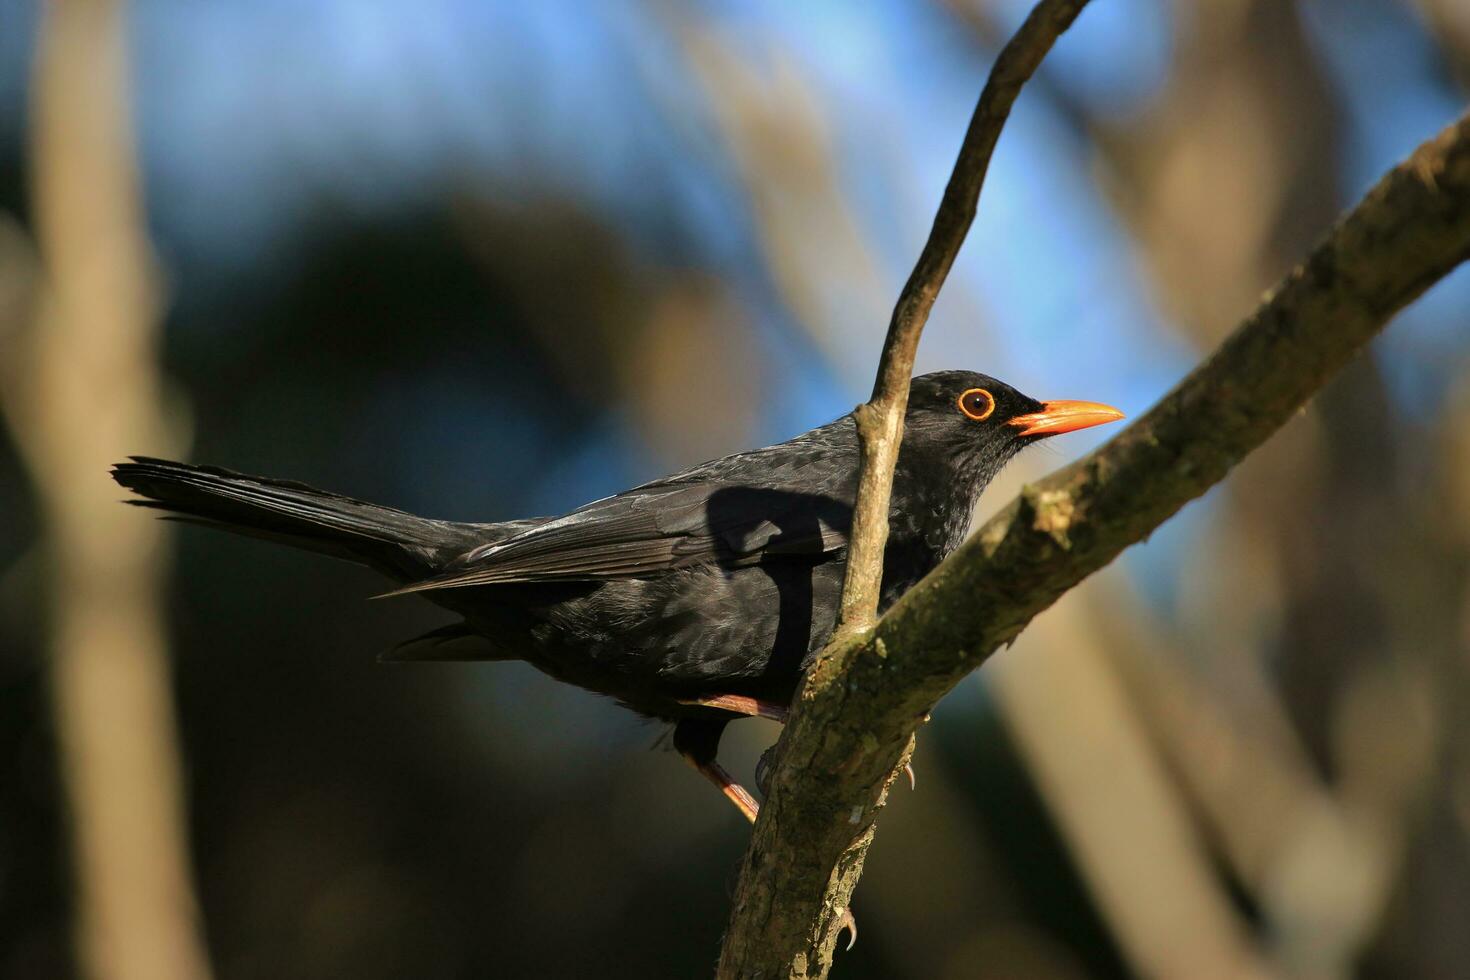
x=859 y=709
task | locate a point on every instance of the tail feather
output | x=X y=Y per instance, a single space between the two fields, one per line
x=392 y=541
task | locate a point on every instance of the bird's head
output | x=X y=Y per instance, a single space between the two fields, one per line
x=977 y=423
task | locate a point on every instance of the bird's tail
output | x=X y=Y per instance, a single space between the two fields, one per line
x=396 y=543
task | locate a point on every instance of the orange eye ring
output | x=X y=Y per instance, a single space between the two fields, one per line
x=977 y=404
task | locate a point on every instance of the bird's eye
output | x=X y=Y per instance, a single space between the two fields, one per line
x=977 y=403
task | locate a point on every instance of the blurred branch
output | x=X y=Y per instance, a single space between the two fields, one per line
x=1128 y=827
x=859 y=711
x=1449 y=22
x=81 y=386
x=792 y=930
x=1319 y=863
x=771 y=118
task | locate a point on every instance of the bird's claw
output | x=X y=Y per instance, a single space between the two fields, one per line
x=908 y=768
x=848 y=923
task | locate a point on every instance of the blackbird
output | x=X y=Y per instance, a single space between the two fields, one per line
x=696 y=599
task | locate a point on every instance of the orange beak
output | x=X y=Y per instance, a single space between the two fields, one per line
x=1058 y=417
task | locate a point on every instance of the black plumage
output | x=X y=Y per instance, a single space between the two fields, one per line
x=716 y=584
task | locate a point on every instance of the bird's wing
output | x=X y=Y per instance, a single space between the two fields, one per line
x=788 y=502
x=659 y=527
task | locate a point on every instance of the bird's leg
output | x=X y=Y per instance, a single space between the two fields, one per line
x=756 y=708
x=740 y=704
x=698 y=741
x=733 y=791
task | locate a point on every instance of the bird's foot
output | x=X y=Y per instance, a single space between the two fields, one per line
x=848 y=923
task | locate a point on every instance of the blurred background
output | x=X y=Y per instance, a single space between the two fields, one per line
x=489 y=260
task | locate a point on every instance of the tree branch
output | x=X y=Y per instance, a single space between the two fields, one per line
x=800 y=943
x=838 y=754
x=880 y=419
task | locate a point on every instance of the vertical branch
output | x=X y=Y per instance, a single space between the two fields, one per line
x=81 y=387
x=789 y=927
x=880 y=419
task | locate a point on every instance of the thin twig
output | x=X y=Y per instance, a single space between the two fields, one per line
x=880 y=419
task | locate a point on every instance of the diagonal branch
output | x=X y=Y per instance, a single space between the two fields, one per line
x=839 y=751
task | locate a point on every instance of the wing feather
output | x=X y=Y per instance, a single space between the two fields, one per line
x=790 y=502
x=653 y=530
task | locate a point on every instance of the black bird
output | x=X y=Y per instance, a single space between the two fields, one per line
x=698 y=598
